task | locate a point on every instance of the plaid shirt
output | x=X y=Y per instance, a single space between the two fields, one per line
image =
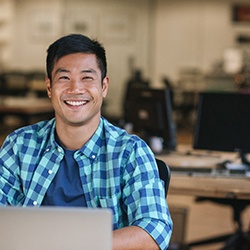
x=117 y=170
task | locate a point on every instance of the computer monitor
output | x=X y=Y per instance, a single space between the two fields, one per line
x=150 y=112
x=223 y=123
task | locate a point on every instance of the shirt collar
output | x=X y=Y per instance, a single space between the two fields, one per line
x=52 y=144
x=92 y=148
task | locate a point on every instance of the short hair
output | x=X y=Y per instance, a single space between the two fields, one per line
x=75 y=43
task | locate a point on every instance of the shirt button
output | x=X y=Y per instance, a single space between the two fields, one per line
x=34 y=203
x=47 y=150
x=59 y=150
x=93 y=156
x=50 y=171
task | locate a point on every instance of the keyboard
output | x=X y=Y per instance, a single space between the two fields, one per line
x=206 y=171
x=203 y=165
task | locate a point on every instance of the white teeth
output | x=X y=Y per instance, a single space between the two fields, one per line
x=76 y=103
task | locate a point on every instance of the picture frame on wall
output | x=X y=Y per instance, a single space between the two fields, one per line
x=118 y=27
x=43 y=25
x=241 y=13
x=87 y=24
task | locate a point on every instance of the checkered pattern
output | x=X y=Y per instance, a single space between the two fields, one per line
x=117 y=170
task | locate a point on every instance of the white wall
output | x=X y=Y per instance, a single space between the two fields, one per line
x=6 y=31
x=122 y=26
x=192 y=33
x=34 y=32
x=159 y=36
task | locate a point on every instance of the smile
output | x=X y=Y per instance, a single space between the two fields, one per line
x=75 y=103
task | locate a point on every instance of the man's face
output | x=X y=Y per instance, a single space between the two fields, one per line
x=77 y=89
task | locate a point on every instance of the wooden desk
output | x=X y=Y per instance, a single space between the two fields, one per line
x=214 y=187
x=205 y=185
x=230 y=191
x=26 y=108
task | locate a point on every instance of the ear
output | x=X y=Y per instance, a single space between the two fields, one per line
x=48 y=86
x=105 y=85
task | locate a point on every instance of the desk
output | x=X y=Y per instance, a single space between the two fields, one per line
x=230 y=191
x=26 y=108
x=206 y=185
x=214 y=187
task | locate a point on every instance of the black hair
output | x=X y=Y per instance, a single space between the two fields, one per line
x=75 y=43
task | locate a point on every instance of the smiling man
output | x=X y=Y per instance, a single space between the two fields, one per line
x=80 y=159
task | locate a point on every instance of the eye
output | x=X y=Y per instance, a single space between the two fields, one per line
x=63 y=78
x=87 y=78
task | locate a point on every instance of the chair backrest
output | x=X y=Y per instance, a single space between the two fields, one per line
x=164 y=173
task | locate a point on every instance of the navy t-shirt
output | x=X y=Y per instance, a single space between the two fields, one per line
x=66 y=188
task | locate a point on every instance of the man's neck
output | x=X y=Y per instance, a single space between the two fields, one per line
x=75 y=137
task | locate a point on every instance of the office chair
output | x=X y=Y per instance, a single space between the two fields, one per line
x=238 y=240
x=164 y=173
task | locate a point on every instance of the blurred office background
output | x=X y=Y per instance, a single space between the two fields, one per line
x=186 y=42
x=186 y=45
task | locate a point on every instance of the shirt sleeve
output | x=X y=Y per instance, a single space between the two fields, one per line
x=144 y=195
x=10 y=185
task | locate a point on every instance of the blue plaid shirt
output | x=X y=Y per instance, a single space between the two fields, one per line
x=117 y=170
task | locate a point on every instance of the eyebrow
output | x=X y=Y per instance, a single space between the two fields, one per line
x=88 y=71
x=59 y=70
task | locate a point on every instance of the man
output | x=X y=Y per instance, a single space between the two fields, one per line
x=80 y=159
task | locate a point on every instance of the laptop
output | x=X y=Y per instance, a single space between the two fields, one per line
x=55 y=228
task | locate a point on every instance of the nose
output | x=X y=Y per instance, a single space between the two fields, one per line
x=75 y=86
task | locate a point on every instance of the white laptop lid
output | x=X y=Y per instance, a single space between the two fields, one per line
x=55 y=228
